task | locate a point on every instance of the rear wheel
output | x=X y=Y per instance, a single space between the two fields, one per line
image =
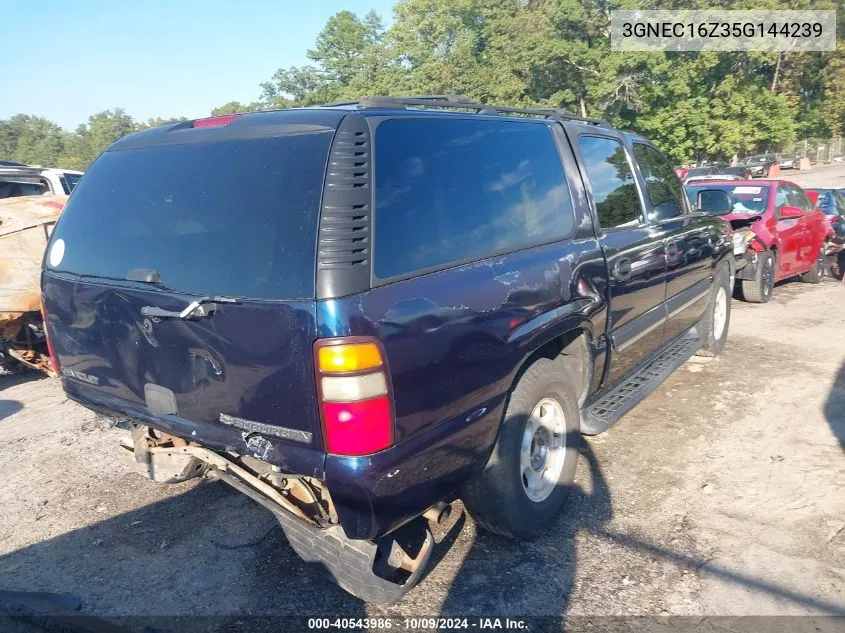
x=527 y=478
x=759 y=289
x=816 y=273
x=8 y=364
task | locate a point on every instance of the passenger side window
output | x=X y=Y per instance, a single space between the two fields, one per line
x=665 y=192
x=781 y=199
x=838 y=205
x=453 y=189
x=800 y=199
x=611 y=180
x=790 y=196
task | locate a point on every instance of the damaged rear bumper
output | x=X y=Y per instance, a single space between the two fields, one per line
x=380 y=571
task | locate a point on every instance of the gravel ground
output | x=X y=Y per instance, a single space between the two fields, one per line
x=720 y=495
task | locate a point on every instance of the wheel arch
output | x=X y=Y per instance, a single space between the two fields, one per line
x=574 y=343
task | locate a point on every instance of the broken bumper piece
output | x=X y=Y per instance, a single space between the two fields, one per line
x=379 y=572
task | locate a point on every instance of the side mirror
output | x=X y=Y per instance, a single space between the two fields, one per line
x=713 y=201
x=814 y=197
x=788 y=213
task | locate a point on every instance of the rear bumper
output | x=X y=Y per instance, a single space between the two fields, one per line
x=373 y=495
x=288 y=456
x=381 y=572
x=378 y=493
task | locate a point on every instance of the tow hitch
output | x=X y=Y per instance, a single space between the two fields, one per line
x=380 y=571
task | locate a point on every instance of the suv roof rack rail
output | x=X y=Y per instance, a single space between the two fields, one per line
x=464 y=103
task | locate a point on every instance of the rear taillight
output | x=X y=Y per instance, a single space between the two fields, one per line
x=215 y=120
x=54 y=361
x=354 y=392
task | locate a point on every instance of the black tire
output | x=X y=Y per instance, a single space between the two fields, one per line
x=497 y=498
x=759 y=289
x=713 y=341
x=816 y=273
x=8 y=364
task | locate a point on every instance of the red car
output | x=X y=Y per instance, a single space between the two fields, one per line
x=779 y=232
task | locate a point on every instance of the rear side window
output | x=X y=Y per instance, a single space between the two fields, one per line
x=235 y=217
x=69 y=181
x=611 y=181
x=665 y=192
x=791 y=196
x=16 y=187
x=451 y=190
x=799 y=199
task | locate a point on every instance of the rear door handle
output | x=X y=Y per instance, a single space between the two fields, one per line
x=672 y=250
x=622 y=269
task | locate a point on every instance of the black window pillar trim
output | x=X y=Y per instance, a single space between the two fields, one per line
x=344 y=238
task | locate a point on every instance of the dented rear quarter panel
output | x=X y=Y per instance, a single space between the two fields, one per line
x=454 y=341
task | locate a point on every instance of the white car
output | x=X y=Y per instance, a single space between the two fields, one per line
x=34 y=181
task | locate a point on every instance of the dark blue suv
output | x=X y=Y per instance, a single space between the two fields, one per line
x=357 y=314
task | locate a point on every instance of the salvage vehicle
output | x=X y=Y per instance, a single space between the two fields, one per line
x=778 y=231
x=763 y=166
x=716 y=173
x=832 y=204
x=384 y=306
x=789 y=161
x=36 y=181
x=25 y=226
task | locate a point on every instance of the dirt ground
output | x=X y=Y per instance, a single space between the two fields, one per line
x=720 y=495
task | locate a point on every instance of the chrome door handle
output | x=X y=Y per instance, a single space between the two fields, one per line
x=622 y=269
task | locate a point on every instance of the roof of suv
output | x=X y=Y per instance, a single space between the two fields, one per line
x=267 y=123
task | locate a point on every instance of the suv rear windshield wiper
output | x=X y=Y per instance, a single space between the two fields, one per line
x=202 y=307
x=121 y=281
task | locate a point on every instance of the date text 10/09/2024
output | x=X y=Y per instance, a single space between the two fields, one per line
x=442 y=624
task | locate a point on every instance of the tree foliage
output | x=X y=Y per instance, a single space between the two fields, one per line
x=37 y=141
x=557 y=53
x=528 y=53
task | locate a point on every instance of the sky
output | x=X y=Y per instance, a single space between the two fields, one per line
x=67 y=60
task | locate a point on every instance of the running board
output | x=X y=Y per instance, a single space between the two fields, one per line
x=600 y=415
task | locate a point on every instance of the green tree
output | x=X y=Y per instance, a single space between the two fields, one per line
x=104 y=128
x=32 y=140
x=348 y=56
x=234 y=107
x=158 y=121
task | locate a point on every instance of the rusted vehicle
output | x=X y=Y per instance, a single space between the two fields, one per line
x=25 y=226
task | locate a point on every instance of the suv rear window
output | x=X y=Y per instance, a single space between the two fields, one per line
x=456 y=190
x=235 y=217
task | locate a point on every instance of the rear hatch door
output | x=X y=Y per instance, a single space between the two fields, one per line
x=223 y=215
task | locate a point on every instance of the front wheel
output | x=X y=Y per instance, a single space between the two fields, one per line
x=759 y=289
x=713 y=326
x=527 y=478
x=816 y=273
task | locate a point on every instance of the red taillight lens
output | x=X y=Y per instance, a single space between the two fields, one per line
x=358 y=428
x=355 y=398
x=54 y=361
x=215 y=120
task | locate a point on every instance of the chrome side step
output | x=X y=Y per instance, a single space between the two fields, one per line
x=600 y=415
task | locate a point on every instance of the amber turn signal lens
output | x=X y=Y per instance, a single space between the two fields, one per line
x=349 y=357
